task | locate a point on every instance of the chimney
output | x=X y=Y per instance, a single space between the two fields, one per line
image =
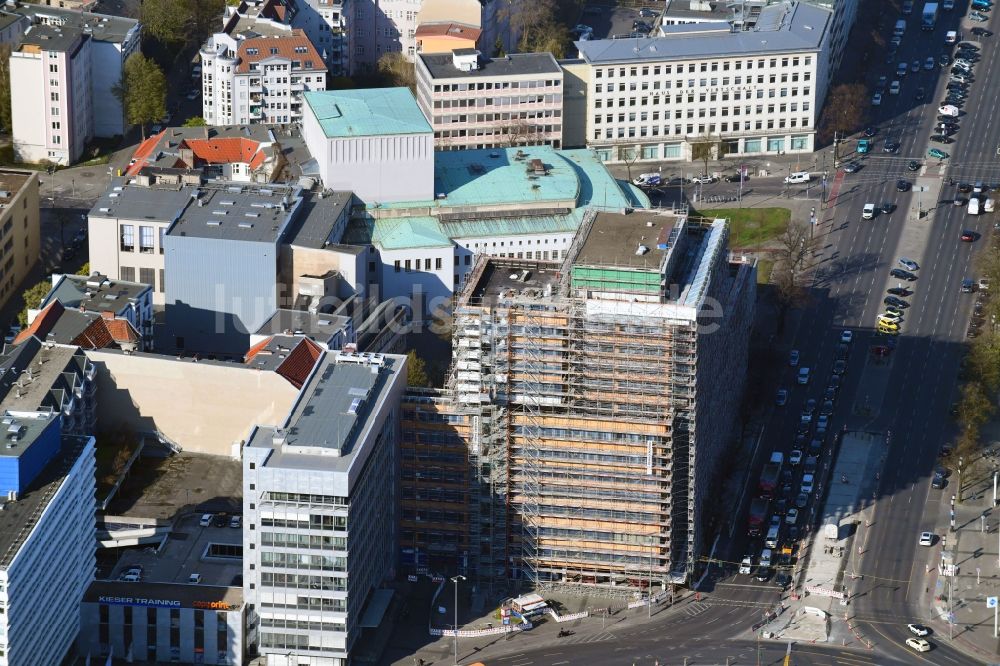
x=108 y=315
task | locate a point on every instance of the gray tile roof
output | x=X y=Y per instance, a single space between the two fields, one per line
x=783 y=28
x=100 y=27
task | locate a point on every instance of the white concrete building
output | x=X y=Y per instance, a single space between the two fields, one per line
x=476 y=102
x=62 y=75
x=258 y=80
x=47 y=545
x=755 y=91
x=323 y=479
x=374 y=142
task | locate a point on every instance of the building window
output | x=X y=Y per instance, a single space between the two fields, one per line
x=407 y=265
x=396 y=265
x=126 y=273
x=127 y=238
x=146 y=276
x=163 y=281
x=146 y=240
x=437 y=263
x=163 y=233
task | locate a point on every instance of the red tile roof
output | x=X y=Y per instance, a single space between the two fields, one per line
x=295 y=46
x=227 y=151
x=103 y=333
x=457 y=30
x=297 y=365
x=43 y=323
x=145 y=149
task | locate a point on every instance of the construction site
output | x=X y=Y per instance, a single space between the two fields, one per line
x=598 y=394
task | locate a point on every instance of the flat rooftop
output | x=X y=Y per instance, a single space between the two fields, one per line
x=238 y=211
x=18 y=518
x=11 y=183
x=102 y=27
x=367 y=112
x=163 y=486
x=614 y=240
x=52 y=369
x=694 y=10
x=334 y=408
x=781 y=28
x=26 y=426
x=315 y=225
x=319 y=326
x=213 y=552
x=94 y=293
x=503 y=278
x=48 y=38
x=441 y=66
x=131 y=201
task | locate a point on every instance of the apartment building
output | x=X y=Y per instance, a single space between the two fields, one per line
x=20 y=230
x=476 y=102
x=47 y=545
x=321 y=481
x=613 y=381
x=446 y=37
x=258 y=79
x=63 y=71
x=755 y=90
x=94 y=311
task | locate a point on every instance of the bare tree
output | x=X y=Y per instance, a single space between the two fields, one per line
x=791 y=262
x=521 y=132
x=844 y=111
x=398 y=71
x=537 y=23
x=707 y=148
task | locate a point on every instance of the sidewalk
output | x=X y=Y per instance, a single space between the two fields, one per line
x=974 y=547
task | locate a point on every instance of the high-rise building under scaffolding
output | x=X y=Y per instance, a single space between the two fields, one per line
x=606 y=389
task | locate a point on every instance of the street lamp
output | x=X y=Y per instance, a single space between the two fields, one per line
x=454 y=581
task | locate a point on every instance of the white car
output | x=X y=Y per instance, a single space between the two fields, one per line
x=647 y=180
x=918 y=644
x=948 y=110
x=792 y=516
x=765 y=558
x=894 y=88
x=877 y=99
x=703 y=179
x=795 y=457
x=846 y=337
x=746 y=566
x=807 y=484
x=929 y=64
x=908 y=264
x=798 y=177
x=868 y=212
x=918 y=629
x=194 y=578
x=926 y=538
x=889 y=319
x=206 y=520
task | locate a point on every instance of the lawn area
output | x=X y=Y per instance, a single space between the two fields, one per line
x=753 y=227
x=764 y=268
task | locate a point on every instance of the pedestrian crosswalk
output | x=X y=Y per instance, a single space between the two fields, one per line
x=696 y=608
x=589 y=638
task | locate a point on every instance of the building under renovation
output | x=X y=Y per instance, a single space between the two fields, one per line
x=605 y=389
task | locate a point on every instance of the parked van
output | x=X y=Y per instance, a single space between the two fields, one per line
x=950 y=37
x=900 y=28
x=982 y=4
x=771 y=541
x=988 y=206
x=798 y=177
x=974 y=206
x=777 y=458
x=765 y=558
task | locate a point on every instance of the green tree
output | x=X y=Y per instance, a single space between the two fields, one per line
x=167 y=21
x=195 y=121
x=32 y=299
x=6 y=118
x=708 y=148
x=84 y=270
x=416 y=370
x=142 y=90
x=498 y=50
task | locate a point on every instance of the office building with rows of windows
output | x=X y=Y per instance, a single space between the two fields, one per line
x=750 y=88
x=320 y=506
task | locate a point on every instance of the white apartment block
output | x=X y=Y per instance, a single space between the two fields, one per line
x=474 y=102
x=47 y=545
x=756 y=91
x=319 y=505
x=382 y=27
x=51 y=98
x=258 y=80
x=63 y=70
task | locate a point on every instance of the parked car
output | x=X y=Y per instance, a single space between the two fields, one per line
x=937 y=153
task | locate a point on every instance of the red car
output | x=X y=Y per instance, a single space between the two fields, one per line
x=968 y=236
